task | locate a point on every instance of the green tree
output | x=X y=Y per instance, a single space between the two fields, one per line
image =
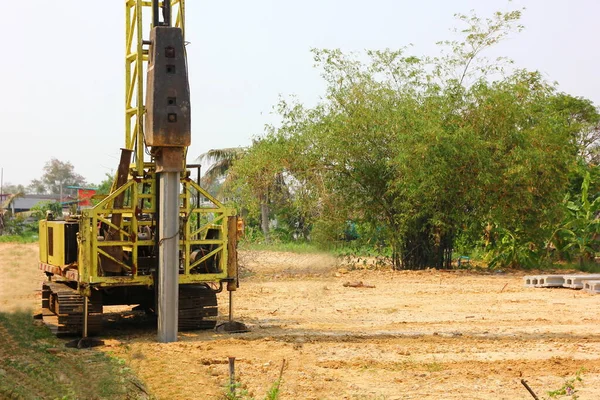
x=260 y=181
x=105 y=186
x=583 y=119
x=424 y=149
x=39 y=210
x=57 y=175
x=9 y=188
x=36 y=186
x=220 y=161
x=579 y=232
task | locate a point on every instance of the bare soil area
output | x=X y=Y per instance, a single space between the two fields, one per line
x=20 y=279
x=414 y=335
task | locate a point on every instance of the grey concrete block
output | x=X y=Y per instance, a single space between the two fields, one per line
x=591 y=286
x=543 y=281
x=530 y=280
x=550 y=281
x=576 y=281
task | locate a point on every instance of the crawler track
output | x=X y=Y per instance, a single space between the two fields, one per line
x=63 y=310
x=197 y=308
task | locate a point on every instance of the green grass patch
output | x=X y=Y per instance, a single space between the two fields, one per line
x=19 y=239
x=36 y=365
x=589 y=267
x=338 y=249
x=292 y=247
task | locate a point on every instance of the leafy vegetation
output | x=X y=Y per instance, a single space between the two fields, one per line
x=18 y=238
x=569 y=387
x=35 y=364
x=423 y=155
x=237 y=391
x=577 y=235
x=104 y=187
x=23 y=227
x=56 y=177
x=220 y=161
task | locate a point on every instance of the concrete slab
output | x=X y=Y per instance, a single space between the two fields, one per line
x=543 y=281
x=530 y=280
x=592 y=287
x=550 y=281
x=576 y=281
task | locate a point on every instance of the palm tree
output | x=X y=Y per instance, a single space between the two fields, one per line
x=220 y=161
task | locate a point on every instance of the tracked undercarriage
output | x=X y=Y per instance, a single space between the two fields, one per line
x=63 y=307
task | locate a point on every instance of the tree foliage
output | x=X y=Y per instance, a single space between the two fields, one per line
x=578 y=233
x=13 y=189
x=259 y=179
x=56 y=174
x=105 y=186
x=422 y=150
x=219 y=161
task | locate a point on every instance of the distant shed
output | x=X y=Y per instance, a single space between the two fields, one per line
x=28 y=201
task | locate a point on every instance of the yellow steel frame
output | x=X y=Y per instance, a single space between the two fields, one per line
x=136 y=58
x=143 y=202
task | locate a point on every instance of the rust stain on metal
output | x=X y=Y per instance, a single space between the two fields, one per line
x=116 y=252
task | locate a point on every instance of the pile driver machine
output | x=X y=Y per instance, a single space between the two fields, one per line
x=158 y=240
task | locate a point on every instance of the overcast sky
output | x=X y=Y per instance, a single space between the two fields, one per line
x=62 y=79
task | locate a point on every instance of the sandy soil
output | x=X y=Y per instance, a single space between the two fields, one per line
x=20 y=279
x=416 y=335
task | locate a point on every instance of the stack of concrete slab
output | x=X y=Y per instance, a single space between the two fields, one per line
x=589 y=282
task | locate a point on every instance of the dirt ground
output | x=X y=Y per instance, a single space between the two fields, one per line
x=20 y=280
x=415 y=335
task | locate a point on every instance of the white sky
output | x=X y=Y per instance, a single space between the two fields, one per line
x=62 y=79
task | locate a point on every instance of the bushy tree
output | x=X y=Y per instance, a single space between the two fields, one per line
x=263 y=182
x=425 y=149
x=105 y=186
x=57 y=174
x=219 y=162
x=13 y=189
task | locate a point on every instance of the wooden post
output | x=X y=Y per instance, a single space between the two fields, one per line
x=232 y=376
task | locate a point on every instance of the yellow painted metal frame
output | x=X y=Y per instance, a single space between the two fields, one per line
x=139 y=194
x=137 y=205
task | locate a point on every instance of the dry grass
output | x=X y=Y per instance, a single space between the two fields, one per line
x=33 y=363
x=20 y=278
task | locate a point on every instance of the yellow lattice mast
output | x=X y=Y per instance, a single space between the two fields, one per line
x=138 y=21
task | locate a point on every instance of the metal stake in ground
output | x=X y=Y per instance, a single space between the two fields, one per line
x=85 y=316
x=230 y=307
